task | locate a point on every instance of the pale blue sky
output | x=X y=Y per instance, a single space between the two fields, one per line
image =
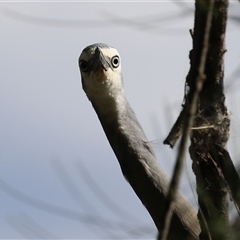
x=48 y=126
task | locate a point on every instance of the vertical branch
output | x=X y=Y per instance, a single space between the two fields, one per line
x=211 y=123
x=205 y=100
x=189 y=117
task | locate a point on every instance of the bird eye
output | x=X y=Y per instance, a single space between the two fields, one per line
x=83 y=65
x=115 y=61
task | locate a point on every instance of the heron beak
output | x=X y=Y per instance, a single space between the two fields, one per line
x=99 y=61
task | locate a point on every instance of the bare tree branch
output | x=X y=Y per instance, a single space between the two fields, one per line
x=211 y=111
x=188 y=122
x=212 y=165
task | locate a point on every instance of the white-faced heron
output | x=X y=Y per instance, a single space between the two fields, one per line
x=100 y=68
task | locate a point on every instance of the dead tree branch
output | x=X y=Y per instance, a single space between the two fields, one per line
x=190 y=112
x=211 y=110
x=210 y=130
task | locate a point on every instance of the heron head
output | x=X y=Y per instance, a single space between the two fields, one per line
x=100 y=68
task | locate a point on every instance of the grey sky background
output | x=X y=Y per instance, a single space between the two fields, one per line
x=49 y=132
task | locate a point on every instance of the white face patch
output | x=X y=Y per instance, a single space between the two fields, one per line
x=103 y=87
x=102 y=82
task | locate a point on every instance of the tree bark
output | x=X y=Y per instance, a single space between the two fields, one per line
x=211 y=123
x=212 y=165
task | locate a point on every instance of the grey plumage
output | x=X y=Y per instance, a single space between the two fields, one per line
x=104 y=88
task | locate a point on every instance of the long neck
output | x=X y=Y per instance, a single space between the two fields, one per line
x=139 y=164
x=119 y=121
